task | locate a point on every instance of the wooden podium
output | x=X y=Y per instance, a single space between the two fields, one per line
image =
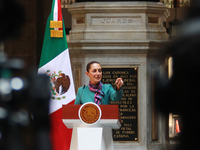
x=91 y=136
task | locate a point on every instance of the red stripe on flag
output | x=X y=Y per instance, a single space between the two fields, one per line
x=60 y=134
x=59 y=11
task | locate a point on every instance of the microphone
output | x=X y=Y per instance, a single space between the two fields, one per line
x=81 y=95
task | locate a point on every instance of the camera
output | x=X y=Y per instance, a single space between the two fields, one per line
x=24 y=107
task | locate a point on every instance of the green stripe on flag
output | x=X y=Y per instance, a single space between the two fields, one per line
x=52 y=10
x=52 y=46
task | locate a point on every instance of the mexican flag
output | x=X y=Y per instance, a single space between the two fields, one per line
x=55 y=62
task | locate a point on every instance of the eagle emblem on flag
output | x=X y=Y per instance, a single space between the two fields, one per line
x=59 y=84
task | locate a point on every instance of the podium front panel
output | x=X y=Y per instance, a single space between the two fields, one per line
x=110 y=116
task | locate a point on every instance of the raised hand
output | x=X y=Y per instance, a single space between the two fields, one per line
x=119 y=82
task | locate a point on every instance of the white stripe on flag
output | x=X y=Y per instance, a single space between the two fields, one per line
x=55 y=12
x=60 y=63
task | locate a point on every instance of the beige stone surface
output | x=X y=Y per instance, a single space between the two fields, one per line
x=122 y=34
x=118 y=21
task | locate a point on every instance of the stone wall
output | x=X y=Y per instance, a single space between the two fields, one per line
x=123 y=34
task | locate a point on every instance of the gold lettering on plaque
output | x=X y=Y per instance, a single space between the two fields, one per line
x=128 y=110
x=120 y=102
x=117 y=132
x=122 y=128
x=129 y=88
x=106 y=72
x=128 y=132
x=127 y=124
x=128 y=117
x=121 y=136
x=123 y=106
x=133 y=76
x=133 y=91
x=125 y=91
x=128 y=104
x=120 y=72
x=115 y=76
x=129 y=80
x=123 y=98
x=106 y=76
x=130 y=99
x=123 y=76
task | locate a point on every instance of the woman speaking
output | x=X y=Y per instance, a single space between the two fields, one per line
x=95 y=91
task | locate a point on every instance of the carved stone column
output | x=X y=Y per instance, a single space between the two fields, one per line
x=123 y=34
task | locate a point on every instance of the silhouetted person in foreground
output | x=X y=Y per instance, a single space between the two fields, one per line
x=24 y=98
x=181 y=93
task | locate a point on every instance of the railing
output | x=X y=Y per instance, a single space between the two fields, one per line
x=66 y=3
x=180 y=3
x=168 y=3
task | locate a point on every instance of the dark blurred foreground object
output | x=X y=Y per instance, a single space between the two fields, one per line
x=181 y=93
x=12 y=18
x=24 y=103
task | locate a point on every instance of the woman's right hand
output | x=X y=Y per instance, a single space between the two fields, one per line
x=119 y=82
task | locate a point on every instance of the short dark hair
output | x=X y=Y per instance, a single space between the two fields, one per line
x=89 y=64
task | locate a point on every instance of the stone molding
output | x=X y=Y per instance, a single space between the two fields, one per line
x=118 y=21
